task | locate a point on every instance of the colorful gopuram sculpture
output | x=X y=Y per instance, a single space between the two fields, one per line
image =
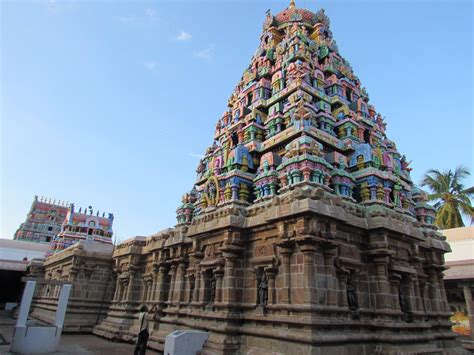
x=83 y=226
x=303 y=233
x=300 y=114
x=60 y=225
x=43 y=221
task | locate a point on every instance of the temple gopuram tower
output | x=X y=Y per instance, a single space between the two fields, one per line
x=43 y=221
x=80 y=254
x=303 y=233
x=83 y=226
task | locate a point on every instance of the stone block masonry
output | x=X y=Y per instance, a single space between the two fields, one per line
x=339 y=278
x=303 y=232
x=88 y=266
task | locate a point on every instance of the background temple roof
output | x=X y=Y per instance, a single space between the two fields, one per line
x=461 y=260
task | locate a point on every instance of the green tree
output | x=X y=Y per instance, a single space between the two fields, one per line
x=452 y=199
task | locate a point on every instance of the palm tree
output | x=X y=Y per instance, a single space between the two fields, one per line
x=452 y=200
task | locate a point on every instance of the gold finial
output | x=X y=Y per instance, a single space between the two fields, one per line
x=292 y=4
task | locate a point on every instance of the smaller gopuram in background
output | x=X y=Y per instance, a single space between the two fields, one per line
x=83 y=225
x=81 y=254
x=43 y=221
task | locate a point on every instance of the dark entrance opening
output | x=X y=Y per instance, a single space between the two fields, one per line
x=11 y=286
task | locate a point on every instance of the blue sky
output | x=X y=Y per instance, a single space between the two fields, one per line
x=110 y=104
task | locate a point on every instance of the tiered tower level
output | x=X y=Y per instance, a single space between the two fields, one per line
x=304 y=233
x=61 y=225
x=300 y=114
x=83 y=225
x=43 y=221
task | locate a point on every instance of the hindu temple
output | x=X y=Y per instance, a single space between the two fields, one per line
x=43 y=221
x=83 y=226
x=303 y=232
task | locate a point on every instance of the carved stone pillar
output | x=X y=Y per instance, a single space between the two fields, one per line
x=329 y=253
x=395 y=285
x=219 y=284
x=418 y=305
x=424 y=294
x=309 y=274
x=87 y=272
x=228 y=285
x=342 y=276
x=198 y=286
x=161 y=285
x=149 y=286
x=271 y=274
x=195 y=270
x=144 y=290
x=160 y=271
x=131 y=284
x=434 y=295
x=444 y=299
x=173 y=269
x=154 y=284
x=384 y=295
x=285 y=252
x=72 y=278
x=117 y=290
x=179 y=287
x=231 y=253
x=189 y=289
x=412 y=295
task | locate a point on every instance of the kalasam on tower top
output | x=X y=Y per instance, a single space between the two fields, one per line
x=303 y=232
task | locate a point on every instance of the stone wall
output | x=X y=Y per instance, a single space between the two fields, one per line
x=305 y=272
x=88 y=266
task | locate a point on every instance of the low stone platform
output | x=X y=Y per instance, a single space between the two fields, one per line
x=70 y=343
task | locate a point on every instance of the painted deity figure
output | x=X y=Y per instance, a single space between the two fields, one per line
x=405 y=164
x=342 y=164
x=380 y=123
x=201 y=167
x=211 y=192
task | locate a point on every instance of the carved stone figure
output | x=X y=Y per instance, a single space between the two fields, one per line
x=352 y=297
x=402 y=298
x=212 y=289
x=263 y=291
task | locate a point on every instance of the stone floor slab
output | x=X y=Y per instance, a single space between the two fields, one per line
x=70 y=343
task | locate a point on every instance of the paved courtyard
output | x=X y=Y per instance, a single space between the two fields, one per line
x=70 y=343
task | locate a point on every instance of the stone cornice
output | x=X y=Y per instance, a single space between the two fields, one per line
x=307 y=200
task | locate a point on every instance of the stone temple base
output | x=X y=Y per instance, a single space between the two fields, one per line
x=88 y=266
x=303 y=273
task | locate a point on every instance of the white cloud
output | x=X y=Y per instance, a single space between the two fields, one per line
x=150 y=13
x=150 y=65
x=184 y=36
x=206 y=53
x=149 y=16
